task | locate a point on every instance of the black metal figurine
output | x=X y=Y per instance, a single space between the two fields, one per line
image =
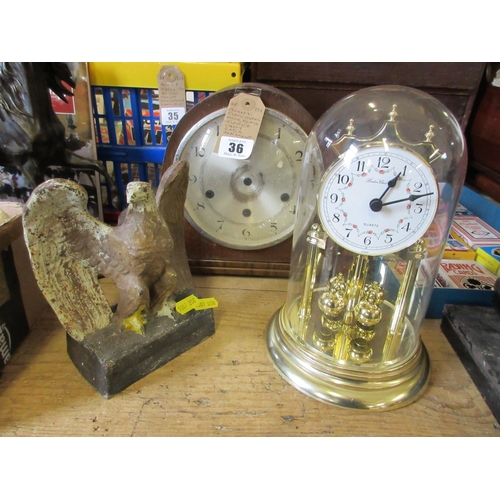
x=32 y=138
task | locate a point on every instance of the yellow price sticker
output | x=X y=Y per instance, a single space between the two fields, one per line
x=185 y=305
x=208 y=303
x=192 y=302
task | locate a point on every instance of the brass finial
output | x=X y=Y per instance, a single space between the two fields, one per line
x=430 y=135
x=350 y=128
x=393 y=113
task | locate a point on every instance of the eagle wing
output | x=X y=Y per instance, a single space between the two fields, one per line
x=67 y=247
x=170 y=199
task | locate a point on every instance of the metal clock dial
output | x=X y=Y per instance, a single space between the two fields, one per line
x=379 y=200
x=244 y=204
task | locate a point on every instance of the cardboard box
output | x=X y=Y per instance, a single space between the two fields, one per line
x=455 y=249
x=466 y=275
x=461 y=210
x=474 y=232
x=489 y=212
x=489 y=257
x=21 y=301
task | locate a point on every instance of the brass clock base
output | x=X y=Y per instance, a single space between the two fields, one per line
x=338 y=385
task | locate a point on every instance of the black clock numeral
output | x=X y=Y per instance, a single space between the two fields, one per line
x=200 y=152
x=334 y=197
x=299 y=155
x=274 y=226
x=383 y=162
x=200 y=206
x=418 y=208
x=343 y=179
x=361 y=166
x=417 y=187
x=336 y=217
x=246 y=233
x=221 y=222
x=193 y=179
x=367 y=241
x=388 y=238
x=406 y=227
x=349 y=231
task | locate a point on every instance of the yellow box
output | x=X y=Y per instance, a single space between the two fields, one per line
x=197 y=75
x=456 y=249
x=489 y=257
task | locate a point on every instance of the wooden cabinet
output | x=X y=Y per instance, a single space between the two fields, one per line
x=484 y=142
x=317 y=86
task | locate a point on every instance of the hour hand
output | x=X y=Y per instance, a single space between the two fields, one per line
x=376 y=204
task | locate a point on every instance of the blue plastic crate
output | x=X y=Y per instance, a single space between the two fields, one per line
x=129 y=134
x=130 y=139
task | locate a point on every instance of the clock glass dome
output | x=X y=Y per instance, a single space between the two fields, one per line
x=381 y=177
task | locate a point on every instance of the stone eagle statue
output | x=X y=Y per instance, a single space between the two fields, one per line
x=144 y=255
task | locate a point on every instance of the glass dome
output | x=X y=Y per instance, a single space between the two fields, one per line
x=382 y=173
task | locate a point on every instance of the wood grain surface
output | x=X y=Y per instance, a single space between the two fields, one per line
x=226 y=386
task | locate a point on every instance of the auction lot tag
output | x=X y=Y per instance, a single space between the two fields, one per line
x=172 y=116
x=240 y=127
x=233 y=147
x=171 y=94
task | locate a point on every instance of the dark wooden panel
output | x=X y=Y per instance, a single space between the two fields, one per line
x=317 y=101
x=484 y=143
x=484 y=139
x=429 y=75
x=317 y=86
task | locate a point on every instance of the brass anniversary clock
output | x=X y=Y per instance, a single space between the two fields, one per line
x=240 y=213
x=382 y=174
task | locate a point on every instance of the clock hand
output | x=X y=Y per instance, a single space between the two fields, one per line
x=376 y=204
x=412 y=197
x=390 y=185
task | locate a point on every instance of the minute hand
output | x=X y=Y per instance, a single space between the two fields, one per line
x=412 y=197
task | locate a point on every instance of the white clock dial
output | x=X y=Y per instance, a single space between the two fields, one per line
x=379 y=201
x=244 y=204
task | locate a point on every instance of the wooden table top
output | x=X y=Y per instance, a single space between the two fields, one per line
x=225 y=386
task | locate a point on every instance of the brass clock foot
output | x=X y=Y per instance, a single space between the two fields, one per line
x=321 y=378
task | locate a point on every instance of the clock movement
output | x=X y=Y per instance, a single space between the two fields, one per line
x=240 y=212
x=381 y=177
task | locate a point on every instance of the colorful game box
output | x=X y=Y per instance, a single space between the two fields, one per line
x=465 y=274
x=474 y=232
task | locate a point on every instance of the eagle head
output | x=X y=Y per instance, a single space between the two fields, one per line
x=140 y=196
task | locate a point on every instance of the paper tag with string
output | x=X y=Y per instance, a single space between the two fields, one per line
x=240 y=127
x=172 y=95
